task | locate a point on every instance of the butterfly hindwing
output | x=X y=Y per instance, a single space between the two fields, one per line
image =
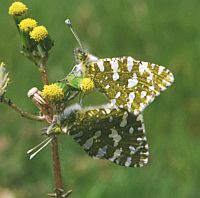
x=129 y=83
x=115 y=135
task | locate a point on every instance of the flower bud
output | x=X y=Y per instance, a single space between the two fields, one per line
x=27 y=24
x=36 y=41
x=17 y=8
x=53 y=93
x=19 y=11
x=4 y=79
x=87 y=85
x=40 y=36
x=41 y=103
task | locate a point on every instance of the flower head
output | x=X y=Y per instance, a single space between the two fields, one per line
x=17 y=8
x=3 y=79
x=27 y=24
x=57 y=129
x=87 y=85
x=39 y=33
x=53 y=92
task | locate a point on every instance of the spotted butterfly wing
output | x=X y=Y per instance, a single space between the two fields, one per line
x=129 y=83
x=107 y=133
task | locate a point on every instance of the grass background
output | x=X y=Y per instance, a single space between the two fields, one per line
x=166 y=32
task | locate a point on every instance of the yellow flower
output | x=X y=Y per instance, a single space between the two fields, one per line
x=39 y=33
x=27 y=24
x=17 y=8
x=53 y=93
x=57 y=129
x=87 y=85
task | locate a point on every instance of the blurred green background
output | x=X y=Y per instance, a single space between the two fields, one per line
x=166 y=32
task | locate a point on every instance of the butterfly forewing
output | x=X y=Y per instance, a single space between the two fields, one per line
x=115 y=135
x=129 y=83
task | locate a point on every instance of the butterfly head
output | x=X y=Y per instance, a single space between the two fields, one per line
x=80 y=55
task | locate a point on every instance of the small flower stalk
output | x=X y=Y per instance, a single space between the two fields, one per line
x=4 y=79
x=35 y=39
x=53 y=98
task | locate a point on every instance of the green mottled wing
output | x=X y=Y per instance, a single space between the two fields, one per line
x=107 y=133
x=129 y=83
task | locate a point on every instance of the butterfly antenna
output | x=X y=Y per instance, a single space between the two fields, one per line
x=69 y=24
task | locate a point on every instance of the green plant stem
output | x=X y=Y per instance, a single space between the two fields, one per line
x=40 y=63
x=20 y=111
x=43 y=71
x=56 y=164
x=59 y=192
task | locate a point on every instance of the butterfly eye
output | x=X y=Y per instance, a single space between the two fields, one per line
x=78 y=51
x=80 y=55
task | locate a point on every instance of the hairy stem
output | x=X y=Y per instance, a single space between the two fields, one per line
x=56 y=164
x=59 y=192
x=20 y=111
x=44 y=75
x=40 y=63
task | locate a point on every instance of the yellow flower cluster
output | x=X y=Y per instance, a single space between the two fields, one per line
x=87 y=85
x=27 y=24
x=53 y=93
x=39 y=33
x=17 y=8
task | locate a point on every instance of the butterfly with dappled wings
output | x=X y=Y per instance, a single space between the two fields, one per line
x=126 y=82
x=115 y=132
